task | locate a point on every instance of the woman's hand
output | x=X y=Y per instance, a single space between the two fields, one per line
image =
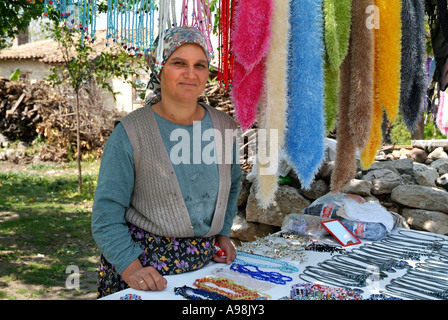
x=226 y=245
x=143 y=278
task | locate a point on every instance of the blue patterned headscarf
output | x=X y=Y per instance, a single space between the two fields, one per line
x=173 y=39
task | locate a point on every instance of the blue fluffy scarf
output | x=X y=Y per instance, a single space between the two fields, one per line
x=304 y=139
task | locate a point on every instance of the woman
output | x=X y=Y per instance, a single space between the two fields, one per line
x=160 y=202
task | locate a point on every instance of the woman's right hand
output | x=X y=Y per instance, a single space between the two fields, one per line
x=143 y=278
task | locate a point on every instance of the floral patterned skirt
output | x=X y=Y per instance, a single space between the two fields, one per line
x=168 y=255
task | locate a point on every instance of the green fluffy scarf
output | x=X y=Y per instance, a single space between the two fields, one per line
x=337 y=22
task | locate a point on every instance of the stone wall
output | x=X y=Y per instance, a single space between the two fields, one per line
x=411 y=182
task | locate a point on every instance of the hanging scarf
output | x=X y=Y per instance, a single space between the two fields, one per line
x=387 y=75
x=413 y=73
x=362 y=45
x=355 y=97
x=337 y=17
x=345 y=161
x=442 y=113
x=250 y=45
x=305 y=120
x=274 y=102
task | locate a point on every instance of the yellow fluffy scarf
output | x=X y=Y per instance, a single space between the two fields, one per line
x=387 y=76
x=274 y=103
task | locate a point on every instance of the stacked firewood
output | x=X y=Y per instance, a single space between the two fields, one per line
x=35 y=110
x=20 y=108
x=216 y=97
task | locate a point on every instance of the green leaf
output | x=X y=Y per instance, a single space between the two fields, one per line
x=15 y=75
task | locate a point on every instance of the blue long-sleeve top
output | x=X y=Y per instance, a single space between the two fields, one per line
x=198 y=182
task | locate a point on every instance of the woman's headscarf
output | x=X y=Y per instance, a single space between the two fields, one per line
x=173 y=39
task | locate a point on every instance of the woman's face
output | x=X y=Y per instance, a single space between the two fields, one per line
x=185 y=73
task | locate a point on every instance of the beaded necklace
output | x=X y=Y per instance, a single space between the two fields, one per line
x=237 y=292
x=198 y=294
x=243 y=279
x=258 y=274
x=278 y=264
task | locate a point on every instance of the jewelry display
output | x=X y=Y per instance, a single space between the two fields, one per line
x=243 y=279
x=258 y=274
x=382 y=296
x=309 y=291
x=275 y=263
x=198 y=294
x=229 y=289
x=319 y=247
x=131 y=296
x=280 y=245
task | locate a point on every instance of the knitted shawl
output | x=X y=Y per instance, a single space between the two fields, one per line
x=387 y=76
x=355 y=97
x=337 y=17
x=413 y=73
x=442 y=113
x=250 y=44
x=274 y=102
x=304 y=142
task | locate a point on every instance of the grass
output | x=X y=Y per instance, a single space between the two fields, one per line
x=44 y=228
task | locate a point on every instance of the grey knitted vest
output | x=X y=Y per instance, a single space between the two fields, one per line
x=157 y=204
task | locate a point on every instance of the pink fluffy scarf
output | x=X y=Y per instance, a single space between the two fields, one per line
x=250 y=40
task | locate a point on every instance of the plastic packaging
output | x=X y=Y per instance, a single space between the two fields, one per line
x=328 y=205
x=305 y=225
x=373 y=226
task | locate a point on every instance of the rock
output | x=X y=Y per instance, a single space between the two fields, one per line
x=249 y=231
x=418 y=155
x=421 y=197
x=325 y=171
x=441 y=165
x=383 y=180
x=430 y=144
x=403 y=166
x=431 y=221
x=438 y=153
x=443 y=181
x=318 y=189
x=360 y=187
x=244 y=193
x=10 y=154
x=426 y=177
x=286 y=201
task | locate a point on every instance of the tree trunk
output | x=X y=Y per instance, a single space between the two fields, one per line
x=78 y=143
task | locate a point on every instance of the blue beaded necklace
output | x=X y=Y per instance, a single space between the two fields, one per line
x=198 y=294
x=258 y=274
x=278 y=264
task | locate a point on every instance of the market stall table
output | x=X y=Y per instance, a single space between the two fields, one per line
x=422 y=246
